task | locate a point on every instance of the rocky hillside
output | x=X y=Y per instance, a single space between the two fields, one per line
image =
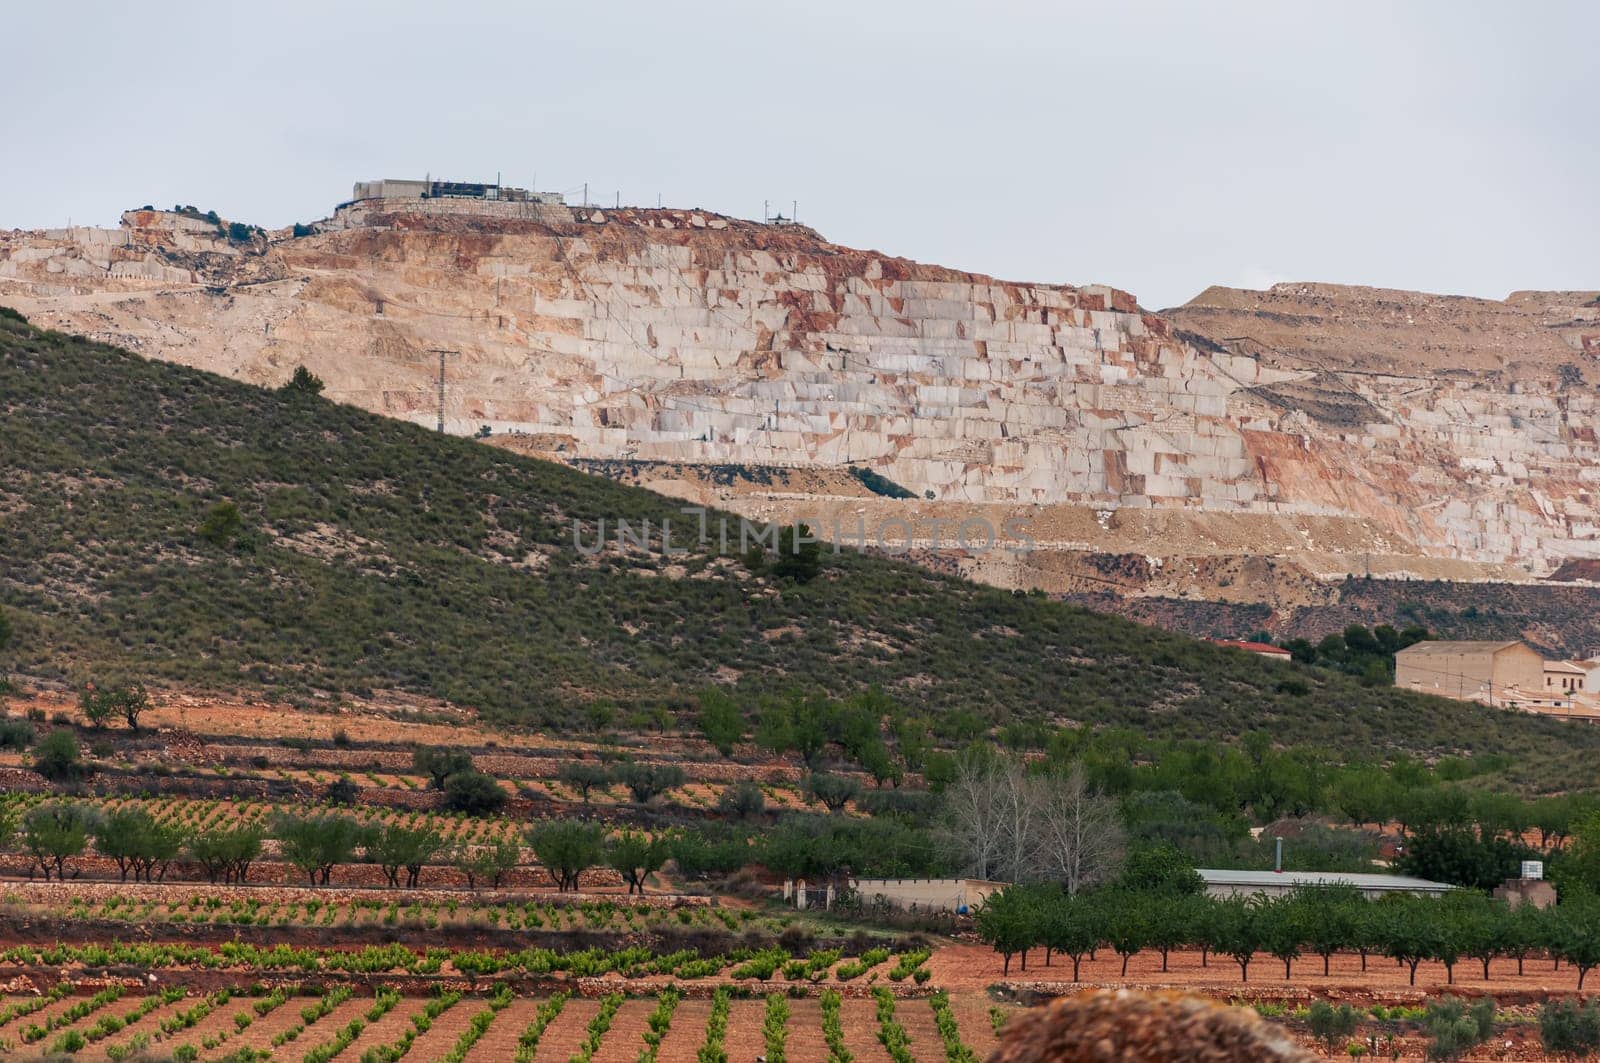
x=178 y=527
x=1246 y=448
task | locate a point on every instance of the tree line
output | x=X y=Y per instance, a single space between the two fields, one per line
x=1321 y=921
x=55 y=833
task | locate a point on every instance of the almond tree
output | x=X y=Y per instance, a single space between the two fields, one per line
x=314 y=845
x=1575 y=934
x=1331 y=919
x=53 y=833
x=566 y=849
x=1283 y=929
x=1409 y=930
x=393 y=847
x=636 y=857
x=1237 y=932
x=1009 y=922
x=226 y=855
x=1128 y=924
x=1074 y=927
x=137 y=843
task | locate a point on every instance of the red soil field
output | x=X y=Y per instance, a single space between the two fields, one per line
x=806 y=1043
x=975 y=967
x=625 y=1039
x=687 y=1032
x=972 y=1019
x=916 y=1015
x=563 y=1036
x=499 y=1042
x=745 y=1040
x=860 y=1021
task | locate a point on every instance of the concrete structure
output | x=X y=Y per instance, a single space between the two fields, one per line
x=428 y=188
x=1535 y=891
x=1504 y=673
x=1227 y=883
x=389 y=188
x=937 y=894
x=1260 y=649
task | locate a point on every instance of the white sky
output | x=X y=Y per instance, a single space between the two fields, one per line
x=1449 y=147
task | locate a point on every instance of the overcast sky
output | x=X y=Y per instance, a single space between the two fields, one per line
x=1449 y=147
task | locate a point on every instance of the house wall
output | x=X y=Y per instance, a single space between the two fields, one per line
x=1518 y=667
x=1458 y=675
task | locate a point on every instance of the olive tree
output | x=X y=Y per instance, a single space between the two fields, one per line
x=439 y=764
x=743 y=800
x=721 y=720
x=833 y=792
x=100 y=704
x=584 y=776
x=56 y=757
x=1330 y=1024
x=646 y=782
x=474 y=793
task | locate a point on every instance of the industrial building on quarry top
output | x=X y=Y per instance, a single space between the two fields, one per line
x=428 y=188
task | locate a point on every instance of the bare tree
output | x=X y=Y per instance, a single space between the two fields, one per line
x=1082 y=839
x=1018 y=798
x=1004 y=823
x=973 y=813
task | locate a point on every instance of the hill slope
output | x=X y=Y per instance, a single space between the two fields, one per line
x=378 y=555
x=1337 y=430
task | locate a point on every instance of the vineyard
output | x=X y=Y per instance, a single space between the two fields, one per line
x=607 y=914
x=671 y=1025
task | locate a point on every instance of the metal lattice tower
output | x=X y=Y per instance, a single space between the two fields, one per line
x=442 y=353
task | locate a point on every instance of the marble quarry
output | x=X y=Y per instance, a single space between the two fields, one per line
x=1337 y=430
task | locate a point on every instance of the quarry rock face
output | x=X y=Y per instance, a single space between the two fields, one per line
x=1245 y=446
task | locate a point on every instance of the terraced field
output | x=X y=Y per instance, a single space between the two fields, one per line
x=348 y=1023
